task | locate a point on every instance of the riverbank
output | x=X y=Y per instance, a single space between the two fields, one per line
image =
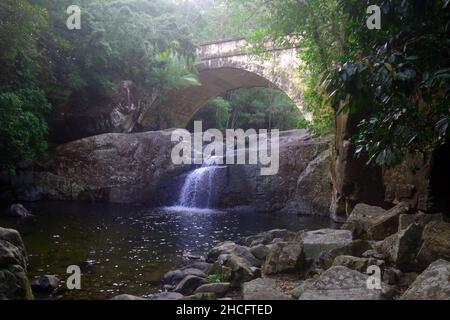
x=126 y=248
x=377 y=255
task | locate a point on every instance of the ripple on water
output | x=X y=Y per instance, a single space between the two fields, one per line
x=132 y=246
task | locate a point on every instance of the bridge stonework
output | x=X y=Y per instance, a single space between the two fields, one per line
x=224 y=66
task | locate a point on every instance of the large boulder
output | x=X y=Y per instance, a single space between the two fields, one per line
x=188 y=285
x=375 y=223
x=355 y=248
x=47 y=283
x=285 y=257
x=432 y=284
x=341 y=283
x=323 y=240
x=14 y=283
x=436 y=243
x=229 y=247
x=112 y=167
x=262 y=289
x=401 y=248
x=18 y=211
x=301 y=186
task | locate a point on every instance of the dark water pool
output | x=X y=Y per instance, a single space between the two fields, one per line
x=129 y=248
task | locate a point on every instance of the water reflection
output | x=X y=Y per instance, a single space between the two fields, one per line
x=126 y=249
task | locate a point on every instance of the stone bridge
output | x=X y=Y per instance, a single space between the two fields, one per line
x=224 y=66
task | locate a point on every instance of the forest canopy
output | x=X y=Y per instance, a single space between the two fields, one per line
x=396 y=77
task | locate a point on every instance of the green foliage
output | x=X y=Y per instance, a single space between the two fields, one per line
x=397 y=76
x=257 y=108
x=215 y=278
x=22 y=128
x=402 y=84
x=147 y=41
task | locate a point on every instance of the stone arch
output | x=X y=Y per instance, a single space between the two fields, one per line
x=225 y=66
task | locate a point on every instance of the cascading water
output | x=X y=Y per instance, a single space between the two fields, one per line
x=201 y=187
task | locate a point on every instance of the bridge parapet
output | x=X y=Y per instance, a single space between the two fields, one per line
x=224 y=66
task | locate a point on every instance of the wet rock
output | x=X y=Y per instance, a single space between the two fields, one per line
x=436 y=243
x=188 y=285
x=405 y=220
x=260 y=251
x=401 y=248
x=341 y=283
x=112 y=167
x=166 y=296
x=18 y=211
x=323 y=240
x=285 y=257
x=262 y=289
x=14 y=282
x=356 y=248
x=432 y=284
x=47 y=283
x=126 y=297
x=194 y=272
x=369 y=222
x=219 y=288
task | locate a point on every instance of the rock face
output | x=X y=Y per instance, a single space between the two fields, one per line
x=356 y=182
x=323 y=240
x=341 y=283
x=120 y=168
x=432 y=284
x=14 y=282
x=262 y=289
x=302 y=185
x=356 y=248
x=137 y=168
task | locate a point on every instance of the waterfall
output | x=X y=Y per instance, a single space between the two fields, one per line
x=201 y=187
